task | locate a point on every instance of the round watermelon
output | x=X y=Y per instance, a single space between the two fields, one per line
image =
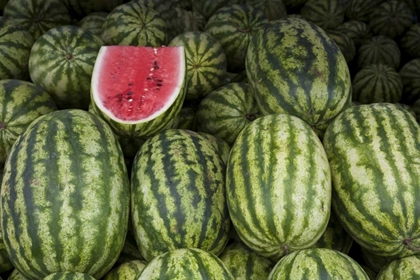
x=68 y=275
x=61 y=61
x=405 y=268
x=126 y=271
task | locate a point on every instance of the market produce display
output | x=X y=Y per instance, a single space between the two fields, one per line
x=209 y=139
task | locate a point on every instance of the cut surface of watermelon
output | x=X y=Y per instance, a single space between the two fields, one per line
x=137 y=84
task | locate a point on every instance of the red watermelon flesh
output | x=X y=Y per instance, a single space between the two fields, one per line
x=137 y=84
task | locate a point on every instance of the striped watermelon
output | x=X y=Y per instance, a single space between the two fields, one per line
x=272 y=9
x=245 y=263
x=38 y=16
x=16 y=44
x=405 y=268
x=126 y=271
x=206 y=63
x=172 y=172
x=294 y=67
x=379 y=49
x=196 y=264
x=119 y=85
x=134 y=24
x=278 y=186
x=226 y=111
x=93 y=22
x=130 y=251
x=21 y=103
x=61 y=61
x=391 y=18
x=327 y=14
x=410 y=76
x=65 y=196
x=410 y=41
x=317 y=263
x=189 y=21
x=68 y=275
x=373 y=151
x=234 y=27
x=377 y=83
x=335 y=237
x=358 y=31
x=361 y=10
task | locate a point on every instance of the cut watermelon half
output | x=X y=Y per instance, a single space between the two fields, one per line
x=133 y=85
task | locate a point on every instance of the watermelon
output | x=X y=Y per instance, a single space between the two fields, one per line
x=379 y=49
x=361 y=10
x=16 y=43
x=226 y=111
x=38 y=16
x=294 y=67
x=245 y=263
x=172 y=172
x=93 y=22
x=233 y=26
x=126 y=271
x=319 y=263
x=65 y=196
x=405 y=268
x=68 y=275
x=327 y=14
x=21 y=103
x=372 y=150
x=377 y=83
x=134 y=24
x=358 y=31
x=278 y=186
x=206 y=63
x=391 y=18
x=410 y=41
x=127 y=96
x=410 y=76
x=272 y=9
x=196 y=264
x=82 y=8
x=130 y=251
x=61 y=61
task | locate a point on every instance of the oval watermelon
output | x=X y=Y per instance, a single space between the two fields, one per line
x=373 y=152
x=174 y=172
x=278 y=186
x=65 y=196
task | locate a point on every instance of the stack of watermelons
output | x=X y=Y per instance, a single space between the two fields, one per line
x=293 y=151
